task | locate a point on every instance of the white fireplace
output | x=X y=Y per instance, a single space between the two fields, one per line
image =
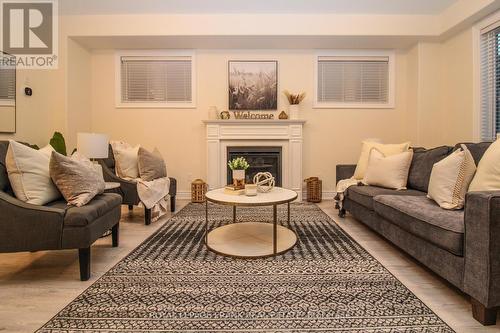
x=286 y=134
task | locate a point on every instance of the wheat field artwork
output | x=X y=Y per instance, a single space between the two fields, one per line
x=253 y=85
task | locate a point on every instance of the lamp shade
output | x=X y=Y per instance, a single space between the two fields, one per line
x=92 y=145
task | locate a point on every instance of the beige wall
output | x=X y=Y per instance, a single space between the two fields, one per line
x=79 y=83
x=331 y=136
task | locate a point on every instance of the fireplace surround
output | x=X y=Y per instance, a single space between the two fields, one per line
x=284 y=134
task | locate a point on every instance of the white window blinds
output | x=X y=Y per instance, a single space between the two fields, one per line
x=7 y=80
x=353 y=80
x=156 y=80
x=490 y=84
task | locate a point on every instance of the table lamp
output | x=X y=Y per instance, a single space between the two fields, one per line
x=92 y=145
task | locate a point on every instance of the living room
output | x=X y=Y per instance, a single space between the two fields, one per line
x=308 y=93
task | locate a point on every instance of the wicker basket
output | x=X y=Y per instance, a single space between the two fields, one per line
x=314 y=191
x=198 y=190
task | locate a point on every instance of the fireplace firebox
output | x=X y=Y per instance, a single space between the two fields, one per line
x=261 y=159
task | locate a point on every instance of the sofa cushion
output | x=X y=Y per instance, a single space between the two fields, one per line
x=421 y=166
x=363 y=195
x=85 y=215
x=477 y=150
x=423 y=218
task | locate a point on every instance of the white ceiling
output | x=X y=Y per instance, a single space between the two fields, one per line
x=105 y=7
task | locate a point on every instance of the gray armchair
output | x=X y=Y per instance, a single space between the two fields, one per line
x=128 y=189
x=55 y=226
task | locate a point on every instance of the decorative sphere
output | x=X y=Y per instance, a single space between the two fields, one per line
x=265 y=181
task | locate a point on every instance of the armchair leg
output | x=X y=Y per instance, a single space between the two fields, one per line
x=115 y=235
x=147 y=216
x=172 y=203
x=84 y=258
x=484 y=315
x=342 y=212
x=130 y=207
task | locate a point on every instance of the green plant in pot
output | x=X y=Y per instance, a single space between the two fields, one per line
x=238 y=166
x=58 y=143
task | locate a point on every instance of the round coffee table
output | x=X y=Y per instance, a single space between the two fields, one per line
x=250 y=239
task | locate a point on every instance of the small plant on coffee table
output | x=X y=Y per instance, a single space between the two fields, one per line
x=238 y=166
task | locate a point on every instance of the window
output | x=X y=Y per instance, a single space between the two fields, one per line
x=490 y=83
x=156 y=80
x=354 y=80
x=7 y=80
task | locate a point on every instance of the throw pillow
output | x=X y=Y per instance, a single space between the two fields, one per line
x=450 y=179
x=385 y=149
x=78 y=181
x=487 y=177
x=151 y=165
x=29 y=176
x=421 y=166
x=125 y=160
x=388 y=171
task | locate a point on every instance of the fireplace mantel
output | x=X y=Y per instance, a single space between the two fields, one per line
x=239 y=133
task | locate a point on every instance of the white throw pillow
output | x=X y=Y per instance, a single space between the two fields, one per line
x=126 y=160
x=388 y=171
x=29 y=175
x=386 y=149
x=450 y=179
x=487 y=176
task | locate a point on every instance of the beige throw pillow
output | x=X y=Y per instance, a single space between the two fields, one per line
x=450 y=179
x=151 y=165
x=385 y=149
x=125 y=160
x=77 y=179
x=29 y=176
x=487 y=176
x=389 y=172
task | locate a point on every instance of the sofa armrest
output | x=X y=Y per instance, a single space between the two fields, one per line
x=482 y=247
x=345 y=171
x=27 y=227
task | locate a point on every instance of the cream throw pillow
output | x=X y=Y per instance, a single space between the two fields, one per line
x=450 y=179
x=385 y=149
x=389 y=172
x=487 y=176
x=126 y=160
x=77 y=179
x=29 y=176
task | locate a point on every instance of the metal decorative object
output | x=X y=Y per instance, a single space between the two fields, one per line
x=265 y=181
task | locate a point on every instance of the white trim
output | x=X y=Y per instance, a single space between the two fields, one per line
x=7 y=102
x=489 y=23
x=156 y=54
x=391 y=54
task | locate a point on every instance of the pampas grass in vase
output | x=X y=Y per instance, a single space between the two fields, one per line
x=294 y=100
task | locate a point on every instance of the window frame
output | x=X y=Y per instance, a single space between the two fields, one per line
x=154 y=53
x=390 y=54
x=489 y=23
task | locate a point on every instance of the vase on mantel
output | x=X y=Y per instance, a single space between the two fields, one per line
x=293 y=111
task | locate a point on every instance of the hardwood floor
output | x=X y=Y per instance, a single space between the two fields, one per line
x=35 y=286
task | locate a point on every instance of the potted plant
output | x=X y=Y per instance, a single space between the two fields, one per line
x=294 y=100
x=238 y=167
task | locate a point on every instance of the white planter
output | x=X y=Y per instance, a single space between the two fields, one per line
x=239 y=174
x=293 y=111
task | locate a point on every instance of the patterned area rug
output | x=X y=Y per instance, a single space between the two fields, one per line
x=171 y=282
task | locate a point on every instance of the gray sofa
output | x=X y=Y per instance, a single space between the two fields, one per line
x=55 y=226
x=128 y=189
x=462 y=246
